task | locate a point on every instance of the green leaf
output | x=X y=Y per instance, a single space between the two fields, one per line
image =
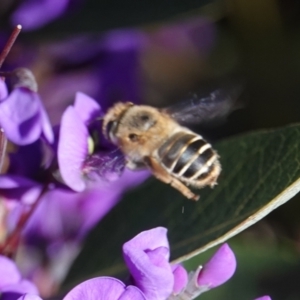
x=261 y=171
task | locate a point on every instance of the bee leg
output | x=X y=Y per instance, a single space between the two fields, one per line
x=160 y=173
x=135 y=165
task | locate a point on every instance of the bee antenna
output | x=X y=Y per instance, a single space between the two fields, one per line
x=9 y=44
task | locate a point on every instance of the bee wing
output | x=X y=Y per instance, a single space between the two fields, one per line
x=204 y=107
x=3 y=145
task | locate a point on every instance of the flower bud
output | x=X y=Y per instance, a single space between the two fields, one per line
x=218 y=269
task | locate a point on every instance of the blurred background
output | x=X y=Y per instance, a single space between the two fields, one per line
x=158 y=52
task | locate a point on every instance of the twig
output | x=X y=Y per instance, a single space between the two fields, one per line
x=10 y=246
x=9 y=43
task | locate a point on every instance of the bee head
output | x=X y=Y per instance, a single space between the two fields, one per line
x=112 y=119
x=128 y=122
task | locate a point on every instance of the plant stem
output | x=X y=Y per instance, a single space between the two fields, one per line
x=9 y=43
x=10 y=246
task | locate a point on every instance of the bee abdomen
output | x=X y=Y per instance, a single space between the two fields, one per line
x=188 y=156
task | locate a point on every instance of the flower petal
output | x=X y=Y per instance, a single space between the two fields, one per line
x=46 y=125
x=72 y=149
x=20 y=116
x=104 y=288
x=132 y=293
x=147 y=257
x=218 y=269
x=9 y=273
x=21 y=287
x=86 y=107
x=34 y=14
x=180 y=278
x=263 y=298
x=3 y=90
x=57 y=218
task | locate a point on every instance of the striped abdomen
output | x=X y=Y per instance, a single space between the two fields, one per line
x=190 y=158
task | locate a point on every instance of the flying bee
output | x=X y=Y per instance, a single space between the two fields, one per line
x=156 y=139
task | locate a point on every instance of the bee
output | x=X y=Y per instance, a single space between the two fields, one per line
x=158 y=140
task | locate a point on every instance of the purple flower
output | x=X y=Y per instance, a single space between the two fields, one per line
x=180 y=278
x=104 y=288
x=75 y=142
x=147 y=258
x=264 y=298
x=22 y=116
x=65 y=215
x=215 y=272
x=218 y=269
x=11 y=283
x=34 y=14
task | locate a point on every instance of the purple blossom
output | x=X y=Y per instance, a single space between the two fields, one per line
x=263 y=298
x=74 y=140
x=218 y=269
x=180 y=278
x=12 y=285
x=22 y=116
x=34 y=14
x=104 y=288
x=70 y=215
x=63 y=218
x=147 y=258
x=215 y=272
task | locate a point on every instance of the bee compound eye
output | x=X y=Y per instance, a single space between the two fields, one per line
x=133 y=137
x=144 y=118
x=110 y=129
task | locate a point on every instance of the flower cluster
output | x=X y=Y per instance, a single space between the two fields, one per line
x=63 y=179
x=62 y=173
x=153 y=277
